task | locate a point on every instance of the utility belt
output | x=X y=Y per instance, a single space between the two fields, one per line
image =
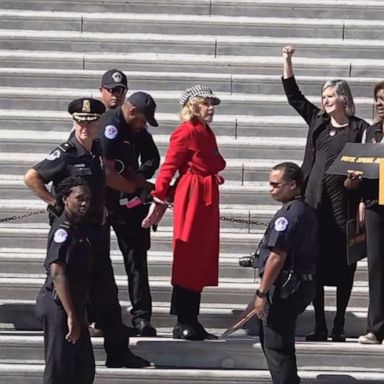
x=290 y=281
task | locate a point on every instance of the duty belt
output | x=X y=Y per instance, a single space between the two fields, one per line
x=306 y=276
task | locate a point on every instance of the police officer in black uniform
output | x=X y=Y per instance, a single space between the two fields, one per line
x=287 y=264
x=131 y=157
x=80 y=156
x=62 y=300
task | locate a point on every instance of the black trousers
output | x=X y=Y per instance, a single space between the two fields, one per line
x=134 y=243
x=343 y=294
x=104 y=297
x=375 y=253
x=277 y=333
x=185 y=304
x=64 y=362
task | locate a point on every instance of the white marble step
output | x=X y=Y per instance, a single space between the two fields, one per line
x=10 y=373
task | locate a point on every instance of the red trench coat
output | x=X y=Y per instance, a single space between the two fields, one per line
x=193 y=152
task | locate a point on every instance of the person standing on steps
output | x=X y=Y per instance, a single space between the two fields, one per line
x=287 y=258
x=81 y=156
x=373 y=214
x=61 y=302
x=330 y=128
x=131 y=157
x=193 y=153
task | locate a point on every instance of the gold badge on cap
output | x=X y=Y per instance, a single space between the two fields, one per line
x=86 y=106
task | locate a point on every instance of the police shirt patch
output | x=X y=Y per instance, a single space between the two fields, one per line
x=281 y=224
x=54 y=155
x=60 y=236
x=110 y=132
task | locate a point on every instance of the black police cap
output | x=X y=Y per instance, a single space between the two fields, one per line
x=86 y=109
x=145 y=104
x=114 y=78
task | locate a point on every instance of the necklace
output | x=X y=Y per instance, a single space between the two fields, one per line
x=333 y=130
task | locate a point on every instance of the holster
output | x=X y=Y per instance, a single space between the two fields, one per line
x=288 y=283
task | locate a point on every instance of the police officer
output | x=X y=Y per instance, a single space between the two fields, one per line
x=113 y=88
x=287 y=262
x=80 y=156
x=62 y=299
x=131 y=157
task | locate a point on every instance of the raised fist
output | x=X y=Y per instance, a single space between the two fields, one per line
x=288 y=51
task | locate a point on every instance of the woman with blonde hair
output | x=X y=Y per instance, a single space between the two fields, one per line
x=330 y=128
x=194 y=154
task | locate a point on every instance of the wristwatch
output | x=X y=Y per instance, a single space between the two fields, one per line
x=261 y=294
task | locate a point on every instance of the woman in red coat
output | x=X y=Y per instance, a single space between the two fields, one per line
x=194 y=154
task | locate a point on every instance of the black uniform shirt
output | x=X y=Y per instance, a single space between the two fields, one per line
x=68 y=244
x=71 y=159
x=126 y=149
x=293 y=230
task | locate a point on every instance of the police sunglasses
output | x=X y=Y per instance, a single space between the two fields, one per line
x=118 y=90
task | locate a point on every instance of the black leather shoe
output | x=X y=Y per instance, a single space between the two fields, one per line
x=202 y=331
x=318 y=335
x=187 y=332
x=145 y=329
x=338 y=335
x=127 y=360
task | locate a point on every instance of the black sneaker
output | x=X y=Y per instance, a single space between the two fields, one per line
x=145 y=329
x=127 y=360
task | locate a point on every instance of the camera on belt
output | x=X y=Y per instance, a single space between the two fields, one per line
x=249 y=261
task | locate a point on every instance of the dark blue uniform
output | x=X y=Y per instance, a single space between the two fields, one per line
x=71 y=159
x=293 y=230
x=126 y=149
x=68 y=244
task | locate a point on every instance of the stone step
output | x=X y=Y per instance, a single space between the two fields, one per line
x=177 y=62
x=167 y=102
x=242 y=241
x=26 y=371
x=173 y=81
x=343 y=9
x=224 y=125
x=230 y=193
x=19 y=315
x=244 y=147
x=13 y=260
x=243 y=170
x=26 y=286
x=187 y=24
x=196 y=44
x=234 y=353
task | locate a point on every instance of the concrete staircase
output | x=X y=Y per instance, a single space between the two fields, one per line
x=54 y=51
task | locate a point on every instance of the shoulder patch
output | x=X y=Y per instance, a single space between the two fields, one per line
x=281 y=224
x=53 y=155
x=67 y=146
x=110 y=132
x=60 y=236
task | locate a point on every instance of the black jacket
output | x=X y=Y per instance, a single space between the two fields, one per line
x=316 y=121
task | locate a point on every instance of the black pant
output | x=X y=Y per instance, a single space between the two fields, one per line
x=375 y=253
x=64 y=362
x=343 y=294
x=104 y=293
x=185 y=304
x=277 y=333
x=134 y=243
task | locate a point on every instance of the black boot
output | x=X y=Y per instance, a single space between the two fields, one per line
x=338 y=333
x=318 y=335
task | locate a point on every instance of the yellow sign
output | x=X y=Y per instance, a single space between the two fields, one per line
x=381 y=183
